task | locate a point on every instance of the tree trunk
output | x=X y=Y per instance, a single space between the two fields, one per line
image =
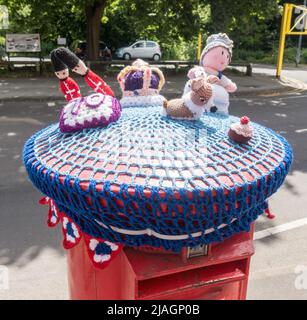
x=93 y=12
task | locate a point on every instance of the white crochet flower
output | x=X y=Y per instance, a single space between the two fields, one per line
x=99 y=258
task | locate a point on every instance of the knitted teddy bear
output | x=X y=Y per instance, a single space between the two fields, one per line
x=96 y=110
x=214 y=59
x=140 y=84
x=193 y=104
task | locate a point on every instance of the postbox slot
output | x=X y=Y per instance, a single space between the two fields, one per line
x=193 y=278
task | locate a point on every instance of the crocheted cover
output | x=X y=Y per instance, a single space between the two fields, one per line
x=142 y=101
x=151 y=180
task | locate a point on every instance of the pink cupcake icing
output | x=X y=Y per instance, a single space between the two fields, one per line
x=241 y=132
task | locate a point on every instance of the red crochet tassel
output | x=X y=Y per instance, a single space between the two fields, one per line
x=70 y=89
x=53 y=212
x=97 y=84
x=99 y=258
x=268 y=214
x=71 y=233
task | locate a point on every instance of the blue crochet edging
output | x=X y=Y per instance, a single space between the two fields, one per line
x=223 y=210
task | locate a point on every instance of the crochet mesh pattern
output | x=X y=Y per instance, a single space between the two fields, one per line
x=151 y=180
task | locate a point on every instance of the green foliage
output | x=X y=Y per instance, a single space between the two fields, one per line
x=181 y=50
x=2 y=47
x=304 y=56
x=252 y=25
x=165 y=21
x=174 y=24
x=52 y=18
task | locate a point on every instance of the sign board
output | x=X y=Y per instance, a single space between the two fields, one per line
x=23 y=42
x=61 y=41
x=295 y=25
x=301 y=20
x=4 y=17
x=291 y=25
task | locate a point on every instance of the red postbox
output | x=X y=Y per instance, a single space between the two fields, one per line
x=102 y=186
x=219 y=271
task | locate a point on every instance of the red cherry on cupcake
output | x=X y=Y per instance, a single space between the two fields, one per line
x=244 y=120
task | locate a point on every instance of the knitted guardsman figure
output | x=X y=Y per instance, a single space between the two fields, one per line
x=93 y=111
x=62 y=60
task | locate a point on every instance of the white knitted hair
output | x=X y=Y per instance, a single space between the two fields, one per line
x=217 y=40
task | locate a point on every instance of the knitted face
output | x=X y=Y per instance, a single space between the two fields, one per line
x=63 y=74
x=216 y=58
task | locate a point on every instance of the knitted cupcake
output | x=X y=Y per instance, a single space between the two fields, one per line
x=241 y=132
x=141 y=85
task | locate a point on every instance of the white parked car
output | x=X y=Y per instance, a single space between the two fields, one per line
x=140 y=49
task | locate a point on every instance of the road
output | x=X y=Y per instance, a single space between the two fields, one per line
x=33 y=253
x=299 y=73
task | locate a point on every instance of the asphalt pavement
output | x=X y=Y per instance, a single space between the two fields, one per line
x=298 y=73
x=33 y=253
x=47 y=88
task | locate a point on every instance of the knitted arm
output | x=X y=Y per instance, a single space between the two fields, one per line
x=97 y=84
x=228 y=84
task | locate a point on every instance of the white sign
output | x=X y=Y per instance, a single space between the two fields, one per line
x=4 y=17
x=301 y=280
x=23 y=42
x=301 y=20
x=4 y=278
x=61 y=41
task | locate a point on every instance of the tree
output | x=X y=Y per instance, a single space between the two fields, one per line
x=93 y=12
x=253 y=25
x=247 y=22
x=50 y=18
x=55 y=18
x=165 y=21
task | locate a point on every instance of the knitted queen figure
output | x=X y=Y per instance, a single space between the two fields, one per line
x=140 y=85
x=214 y=59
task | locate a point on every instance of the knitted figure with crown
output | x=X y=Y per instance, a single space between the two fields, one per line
x=140 y=85
x=96 y=110
x=214 y=59
x=193 y=104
